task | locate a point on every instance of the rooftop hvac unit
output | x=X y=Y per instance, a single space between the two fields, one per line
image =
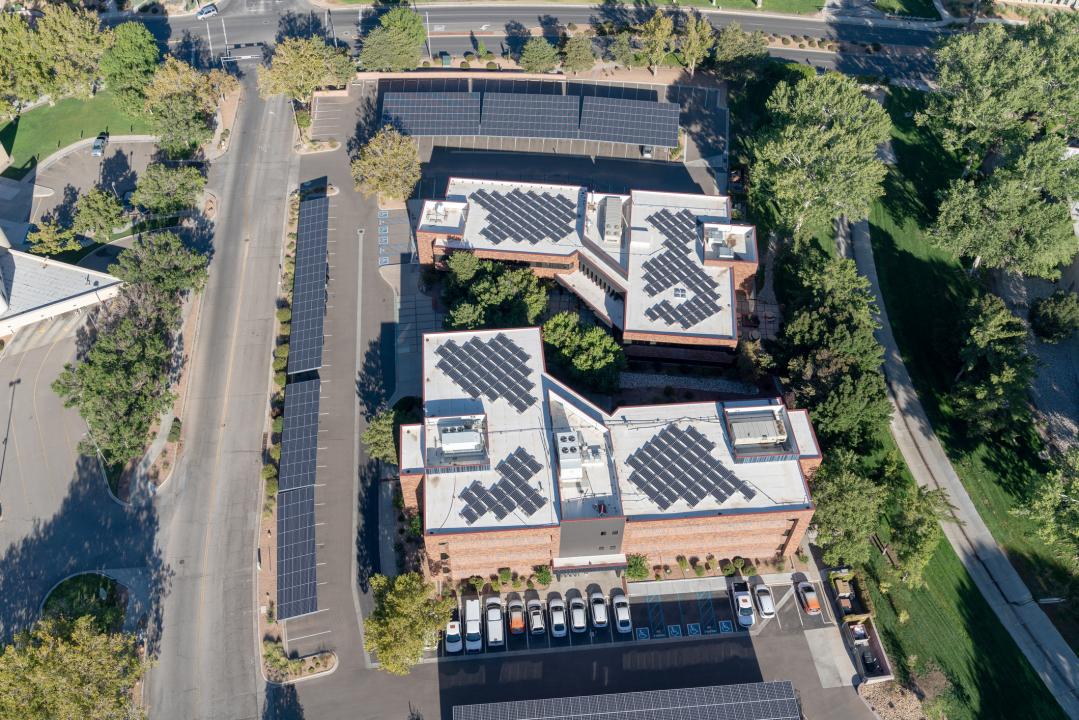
x=612 y=220
x=715 y=240
x=569 y=455
x=460 y=440
x=757 y=428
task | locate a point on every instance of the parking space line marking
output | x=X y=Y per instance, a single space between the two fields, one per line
x=304 y=637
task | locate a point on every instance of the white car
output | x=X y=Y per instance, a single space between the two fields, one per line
x=453 y=641
x=622 y=621
x=599 y=609
x=496 y=629
x=743 y=604
x=535 y=617
x=207 y=11
x=765 y=602
x=473 y=634
x=557 y=608
x=578 y=615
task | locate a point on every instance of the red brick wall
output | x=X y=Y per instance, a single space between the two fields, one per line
x=412 y=490
x=425 y=242
x=756 y=535
x=743 y=271
x=568 y=261
x=809 y=465
x=679 y=339
x=484 y=552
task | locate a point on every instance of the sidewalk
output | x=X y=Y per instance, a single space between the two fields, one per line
x=1054 y=661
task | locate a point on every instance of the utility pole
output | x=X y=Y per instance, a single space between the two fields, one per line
x=210 y=41
x=227 y=50
x=427 y=21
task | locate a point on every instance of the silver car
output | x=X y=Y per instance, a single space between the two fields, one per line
x=557 y=608
x=622 y=620
x=98 y=148
x=535 y=617
x=765 y=603
x=207 y=11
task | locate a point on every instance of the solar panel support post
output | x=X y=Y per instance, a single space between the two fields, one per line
x=427 y=22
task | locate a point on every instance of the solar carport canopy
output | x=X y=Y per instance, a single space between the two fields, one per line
x=525 y=115
x=751 y=701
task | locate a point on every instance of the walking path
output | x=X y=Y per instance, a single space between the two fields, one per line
x=1000 y=585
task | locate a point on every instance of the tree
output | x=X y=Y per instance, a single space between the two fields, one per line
x=182 y=102
x=121 y=386
x=916 y=533
x=62 y=669
x=655 y=37
x=162 y=263
x=698 y=39
x=988 y=83
x=1018 y=217
x=380 y=437
x=990 y=389
x=586 y=354
x=164 y=190
x=1054 y=38
x=817 y=159
x=578 y=54
x=538 y=56
x=300 y=66
x=23 y=74
x=69 y=41
x=497 y=296
x=97 y=213
x=848 y=506
x=404 y=20
x=1054 y=504
x=388 y=164
x=128 y=64
x=621 y=50
x=405 y=618
x=1056 y=317
x=753 y=361
x=389 y=49
x=828 y=356
x=737 y=52
x=637 y=567
x=48 y=238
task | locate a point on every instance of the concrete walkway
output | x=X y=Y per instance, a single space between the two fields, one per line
x=1000 y=585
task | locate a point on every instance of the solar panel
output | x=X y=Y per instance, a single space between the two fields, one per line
x=309 y=286
x=751 y=701
x=299 y=437
x=674 y=266
x=296 y=584
x=432 y=113
x=496 y=369
x=635 y=122
x=530 y=116
x=677 y=464
x=526 y=215
x=510 y=494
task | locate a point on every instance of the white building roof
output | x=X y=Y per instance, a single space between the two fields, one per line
x=36 y=288
x=659 y=261
x=584 y=461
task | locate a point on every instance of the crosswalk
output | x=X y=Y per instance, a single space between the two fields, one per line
x=44 y=333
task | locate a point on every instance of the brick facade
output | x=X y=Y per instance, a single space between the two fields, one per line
x=483 y=552
x=643 y=337
x=412 y=490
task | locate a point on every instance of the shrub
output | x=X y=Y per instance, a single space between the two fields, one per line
x=1056 y=317
x=516 y=582
x=470 y=55
x=477 y=583
x=530 y=584
x=278 y=424
x=738 y=563
x=269 y=470
x=729 y=570
x=465 y=65
x=492 y=65
x=802 y=556
x=279 y=379
x=275 y=452
x=699 y=570
x=281 y=351
x=781 y=563
x=426 y=63
x=284 y=315
x=543 y=575
x=415 y=525
x=174 y=431
x=637 y=567
x=785 y=40
x=280 y=364
x=749 y=570
x=572 y=27
x=682 y=562
x=504 y=575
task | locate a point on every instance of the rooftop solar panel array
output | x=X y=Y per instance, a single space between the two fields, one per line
x=673 y=266
x=296 y=584
x=530 y=116
x=526 y=215
x=677 y=464
x=432 y=113
x=512 y=492
x=299 y=437
x=496 y=369
x=635 y=122
x=309 y=286
x=751 y=701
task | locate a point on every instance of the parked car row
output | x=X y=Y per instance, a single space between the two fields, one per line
x=760 y=595
x=490 y=621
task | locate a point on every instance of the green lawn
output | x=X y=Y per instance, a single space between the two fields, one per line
x=88 y=594
x=38 y=133
x=910 y=8
x=925 y=291
x=795 y=7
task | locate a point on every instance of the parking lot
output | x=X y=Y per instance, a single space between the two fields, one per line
x=692 y=615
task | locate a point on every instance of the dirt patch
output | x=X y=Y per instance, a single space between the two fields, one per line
x=892 y=701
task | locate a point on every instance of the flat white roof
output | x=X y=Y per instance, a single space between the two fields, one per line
x=509 y=429
x=775 y=483
x=603 y=473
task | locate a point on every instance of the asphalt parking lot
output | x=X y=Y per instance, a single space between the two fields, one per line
x=696 y=615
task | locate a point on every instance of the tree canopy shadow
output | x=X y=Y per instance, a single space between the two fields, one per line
x=299 y=25
x=516 y=37
x=282 y=703
x=193 y=49
x=63 y=213
x=117 y=175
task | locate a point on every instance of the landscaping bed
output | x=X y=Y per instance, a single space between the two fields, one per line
x=89 y=594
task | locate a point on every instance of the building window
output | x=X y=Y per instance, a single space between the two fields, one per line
x=614 y=532
x=602 y=532
x=680 y=293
